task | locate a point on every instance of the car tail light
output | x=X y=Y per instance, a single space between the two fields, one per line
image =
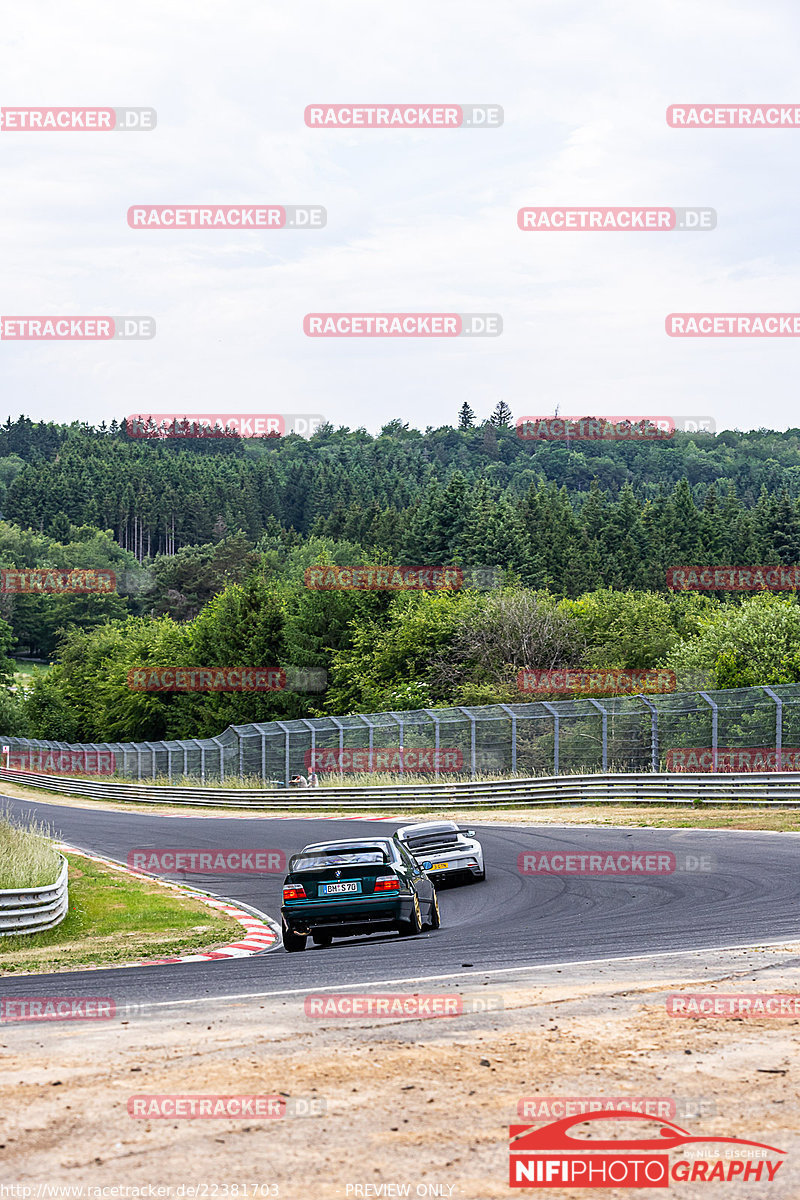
x=294 y=891
x=387 y=883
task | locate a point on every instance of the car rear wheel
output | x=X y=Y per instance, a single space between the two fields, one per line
x=435 y=919
x=293 y=941
x=414 y=926
x=322 y=939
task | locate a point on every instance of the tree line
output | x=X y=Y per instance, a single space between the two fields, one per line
x=572 y=544
x=158 y=496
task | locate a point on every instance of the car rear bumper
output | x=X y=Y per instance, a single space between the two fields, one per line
x=367 y=912
x=457 y=864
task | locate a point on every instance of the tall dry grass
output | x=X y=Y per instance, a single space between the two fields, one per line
x=28 y=857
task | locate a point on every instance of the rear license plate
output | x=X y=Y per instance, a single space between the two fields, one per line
x=338 y=889
x=440 y=866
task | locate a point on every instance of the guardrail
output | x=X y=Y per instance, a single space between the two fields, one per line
x=30 y=910
x=769 y=787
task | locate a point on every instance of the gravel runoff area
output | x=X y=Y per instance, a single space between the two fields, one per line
x=418 y=1104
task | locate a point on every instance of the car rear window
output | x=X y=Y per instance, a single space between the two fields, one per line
x=338 y=858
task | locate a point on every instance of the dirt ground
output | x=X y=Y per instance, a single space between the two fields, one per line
x=397 y=1103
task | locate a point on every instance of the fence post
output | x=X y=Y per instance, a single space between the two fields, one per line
x=513 y=737
x=400 y=723
x=263 y=756
x=154 y=763
x=435 y=720
x=714 y=727
x=197 y=742
x=467 y=713
x=117 y=746
x=313 y=760
x=340 y=727
x=778 y=727
x=556 y=734
x=218 y=743
x=653 y=731
x=367 y=721
x=282 y=726
x=604 y=714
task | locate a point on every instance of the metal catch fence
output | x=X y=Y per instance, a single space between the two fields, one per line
x=737 y=730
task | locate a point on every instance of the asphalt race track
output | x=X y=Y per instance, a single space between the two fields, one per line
x=750 y=894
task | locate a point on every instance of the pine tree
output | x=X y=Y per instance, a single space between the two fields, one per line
x=786 y=530
x=466 y=417
x=60 y=527
x=501 y=417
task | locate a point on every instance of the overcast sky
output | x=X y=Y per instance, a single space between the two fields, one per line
x=417 y=220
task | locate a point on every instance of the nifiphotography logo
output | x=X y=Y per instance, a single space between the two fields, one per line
x=554 y=1156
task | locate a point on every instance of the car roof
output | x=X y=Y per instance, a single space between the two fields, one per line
x=430 y=827
x=366 y=843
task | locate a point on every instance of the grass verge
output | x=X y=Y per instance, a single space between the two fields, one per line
x=117 y=918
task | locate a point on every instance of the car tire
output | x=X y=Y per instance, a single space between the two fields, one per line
x=479 y=878
x=435 y=917
x=414 y=926
x=292 y=942
x=322 y=939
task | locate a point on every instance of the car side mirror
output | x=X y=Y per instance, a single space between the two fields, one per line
x=469 y=832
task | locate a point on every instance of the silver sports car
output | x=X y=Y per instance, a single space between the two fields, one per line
x=443 y=849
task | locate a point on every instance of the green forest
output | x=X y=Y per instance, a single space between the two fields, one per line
x=569 y=546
